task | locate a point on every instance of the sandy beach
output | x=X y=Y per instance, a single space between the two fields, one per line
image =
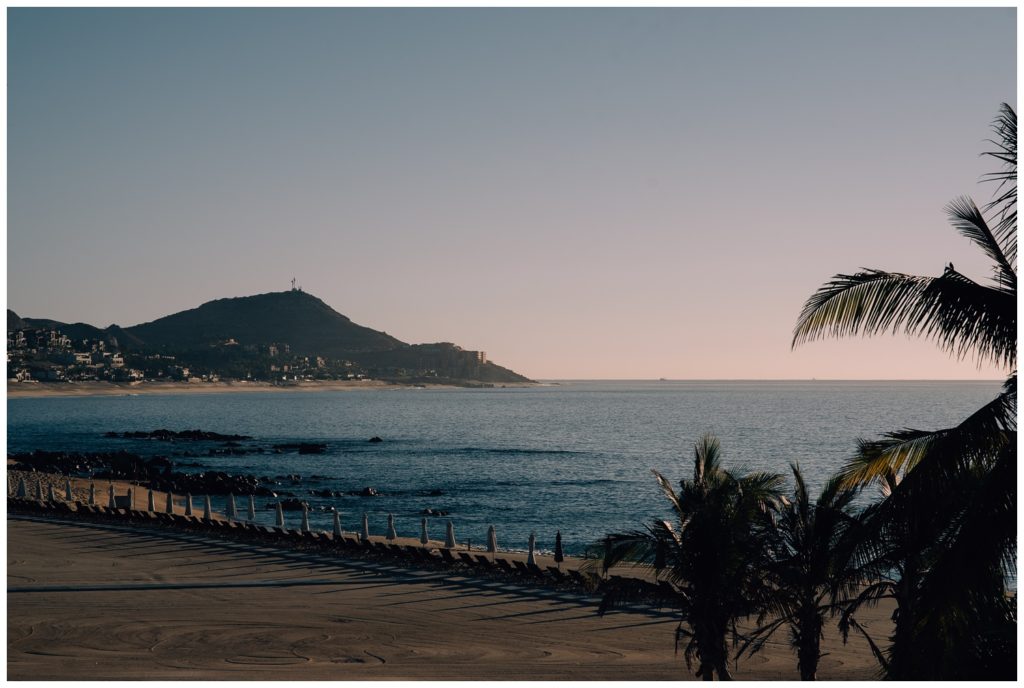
x=105 y=601
x=17 y=390
x=21 y=390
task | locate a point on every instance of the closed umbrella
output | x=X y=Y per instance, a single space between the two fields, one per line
x=169 y=507
x=492 y=540
x=252 y=508
x=131 y=498
x=423 y=532
x=530 y=559
x=337 y=526
x=449 y=536
x=305 y=519
x=559 y=556
x=366 y=528
x=111 y=502
x=92 y=494
x=207 y=509
x=150 y=502
x=39 y=490
x=280 y=516
x=67 y=491
x=229 y=508
x=188 y=505
x=392 y=535
x=50 y=496
x=22 y=491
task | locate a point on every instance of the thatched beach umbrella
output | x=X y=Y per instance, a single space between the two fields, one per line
x=50 y=494
x=492 y=540
x=39 y=490
x=169 y=507
x=423 y=532
x=92 y=494
x=229 y=509
x=337 y=526
x=150 y=502
x=305 y=519
x=280 y=516
x=252 y=508
x=392 y=535
x=449 y=536
x=188 y=504
x=559 y=556
x=207 y=508
x=22 y=491
x=111 y=502
x=67 y=491
x=530 y=558
x=365 y=535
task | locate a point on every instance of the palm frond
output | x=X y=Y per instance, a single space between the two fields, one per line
x=959 y=314
x=1005 y=202
x=980 y=435
x=969 y=221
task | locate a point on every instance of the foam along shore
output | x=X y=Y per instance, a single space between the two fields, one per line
x=78 y=607
x=17 y=390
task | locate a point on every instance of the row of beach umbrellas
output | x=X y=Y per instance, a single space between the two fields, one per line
x=231 y=512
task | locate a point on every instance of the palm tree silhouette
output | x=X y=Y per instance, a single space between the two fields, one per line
x=812 y=571
x=946 y=528
x=711 y=561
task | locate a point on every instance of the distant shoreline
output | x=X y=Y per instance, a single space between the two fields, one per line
x=26 y=390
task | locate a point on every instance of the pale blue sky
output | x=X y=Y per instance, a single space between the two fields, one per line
x=581 y=193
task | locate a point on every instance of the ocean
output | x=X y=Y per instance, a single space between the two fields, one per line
x=571 y=456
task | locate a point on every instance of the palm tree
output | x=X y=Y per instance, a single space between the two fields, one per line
x=711 y=560
x=947 y=527
x=812 y=571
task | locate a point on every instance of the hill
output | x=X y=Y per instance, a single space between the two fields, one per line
x=302 y=321
x=75 y=331
x=307 y=324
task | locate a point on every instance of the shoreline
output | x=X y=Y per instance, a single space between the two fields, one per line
x=34 y=390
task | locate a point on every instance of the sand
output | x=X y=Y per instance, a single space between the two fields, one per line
x=18 y=390
x=102 y=602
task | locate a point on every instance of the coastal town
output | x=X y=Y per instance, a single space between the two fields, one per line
x=48 y=355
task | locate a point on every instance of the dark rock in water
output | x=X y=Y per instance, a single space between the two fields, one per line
x=368 y=492
x=375 y=439
x=326 y=493
x=184 y=435
x=293 y=504
x=302 y=447
x=318 y=477
x=434 y=512
x=435 y=493
x=111 y=434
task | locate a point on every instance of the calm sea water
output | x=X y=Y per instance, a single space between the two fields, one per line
x=574 y=456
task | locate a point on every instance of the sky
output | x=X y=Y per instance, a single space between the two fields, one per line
x=582 y=193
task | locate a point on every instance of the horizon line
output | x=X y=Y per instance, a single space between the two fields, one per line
x=769 y=379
